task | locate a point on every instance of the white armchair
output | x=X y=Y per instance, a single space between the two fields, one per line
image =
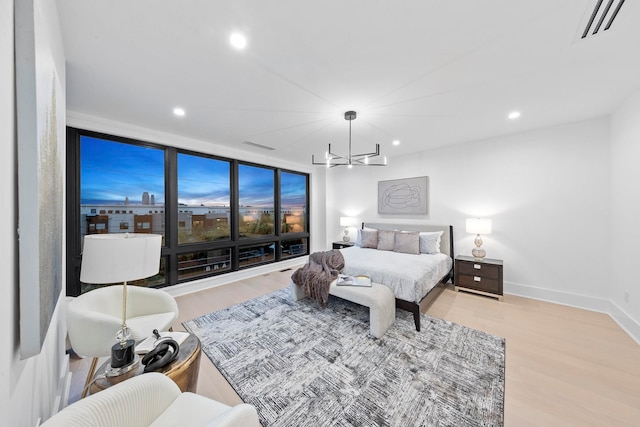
x=93 y=318
x=152 y=400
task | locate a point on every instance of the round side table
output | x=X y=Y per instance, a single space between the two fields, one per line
x=183 y=371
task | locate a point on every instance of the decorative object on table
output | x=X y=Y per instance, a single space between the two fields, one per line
x=346 y=222
x=332 y=160
x=165 y=350
x=262 y=347
x=478 y=226
x=403 y=196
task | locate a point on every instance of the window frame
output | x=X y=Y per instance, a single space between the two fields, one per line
x=171 y=250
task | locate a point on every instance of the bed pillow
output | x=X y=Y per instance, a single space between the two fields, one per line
x=407 y=242
x=430 y=242
x=369 y=239
x=359 y=235
x=386 y=240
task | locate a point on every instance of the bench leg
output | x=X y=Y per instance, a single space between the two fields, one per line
x=381 y=318
x=296 y=292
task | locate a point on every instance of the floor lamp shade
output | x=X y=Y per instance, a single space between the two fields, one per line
x=115 y=258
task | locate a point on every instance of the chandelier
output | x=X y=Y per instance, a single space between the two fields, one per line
x=332 y=160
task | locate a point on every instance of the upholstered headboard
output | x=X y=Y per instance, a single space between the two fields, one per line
x=446 y=244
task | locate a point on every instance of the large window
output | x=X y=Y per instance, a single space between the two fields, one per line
x=121 y=191
x=256 y=192
x=293 y=202
x=204 y=199
x=216 y=215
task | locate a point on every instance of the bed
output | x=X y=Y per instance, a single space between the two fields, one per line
x=411 y=276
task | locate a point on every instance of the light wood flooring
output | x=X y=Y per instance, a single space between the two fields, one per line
x=564 y=366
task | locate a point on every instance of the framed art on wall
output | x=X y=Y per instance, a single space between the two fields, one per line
x=40 y=133
x=403 y=196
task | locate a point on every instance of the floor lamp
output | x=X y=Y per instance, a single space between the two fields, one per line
x=120 y=258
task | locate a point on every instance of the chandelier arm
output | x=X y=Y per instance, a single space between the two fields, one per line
x=374 y=154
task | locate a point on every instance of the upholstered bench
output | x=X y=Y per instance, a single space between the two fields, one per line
x=379 y=299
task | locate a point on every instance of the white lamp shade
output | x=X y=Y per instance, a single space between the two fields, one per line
x=478 y=226
x=348 y=221
x=123 y=257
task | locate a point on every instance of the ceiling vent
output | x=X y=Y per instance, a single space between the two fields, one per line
x=253 y=144
x=601 y=17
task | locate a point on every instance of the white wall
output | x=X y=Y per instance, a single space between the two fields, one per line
x=625 y=203
x=31 y=388
x=547 y=192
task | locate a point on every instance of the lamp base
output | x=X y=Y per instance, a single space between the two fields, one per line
x=346 y=236
x=478 y=253
x=123 y=353
x=116 y=372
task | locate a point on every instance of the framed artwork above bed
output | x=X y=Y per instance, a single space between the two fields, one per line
x=403 y=196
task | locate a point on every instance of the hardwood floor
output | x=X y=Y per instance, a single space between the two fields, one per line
x=564 y=366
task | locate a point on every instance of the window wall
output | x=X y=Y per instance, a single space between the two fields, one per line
x=216 y=215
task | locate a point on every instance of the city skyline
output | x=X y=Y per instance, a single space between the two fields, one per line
x=112 y=171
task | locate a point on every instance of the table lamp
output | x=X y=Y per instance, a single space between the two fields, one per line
x=478 y=226
x=346 y=222
x=119 y=258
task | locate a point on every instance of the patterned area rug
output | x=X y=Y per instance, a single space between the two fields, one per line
x=303 y=366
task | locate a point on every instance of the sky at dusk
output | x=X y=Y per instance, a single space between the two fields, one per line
x=112 y=171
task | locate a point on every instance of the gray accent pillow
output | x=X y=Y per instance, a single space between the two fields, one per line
x=430 y=242
x=359 y=235
x=386 y=240
x=407 y=242
x=369 y=239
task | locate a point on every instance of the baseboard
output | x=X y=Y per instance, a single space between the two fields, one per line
x=601 y=305
x=626 y=322
x=223 y=279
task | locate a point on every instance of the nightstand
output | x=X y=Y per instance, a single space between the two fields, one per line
x=342 y=245
x=482 y=277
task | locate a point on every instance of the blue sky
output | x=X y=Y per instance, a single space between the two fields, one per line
x=112 y=171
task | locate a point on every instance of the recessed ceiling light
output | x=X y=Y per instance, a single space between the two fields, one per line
x=238 y=41
x=396 y=142
x=178 y=111
x=514 y=115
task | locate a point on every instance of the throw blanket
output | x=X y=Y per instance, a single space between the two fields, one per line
x=316 y=276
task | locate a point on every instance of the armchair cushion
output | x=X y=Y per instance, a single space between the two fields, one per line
x=94 y=318
x=151 y=400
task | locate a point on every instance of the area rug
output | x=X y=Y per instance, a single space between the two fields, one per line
x=300 y=365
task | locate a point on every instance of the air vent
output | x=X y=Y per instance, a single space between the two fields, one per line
x=601 y=17
x=253 y=144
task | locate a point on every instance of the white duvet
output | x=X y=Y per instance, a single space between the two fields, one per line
x=410 y=277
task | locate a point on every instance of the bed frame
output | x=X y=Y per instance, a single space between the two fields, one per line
x=446 y=246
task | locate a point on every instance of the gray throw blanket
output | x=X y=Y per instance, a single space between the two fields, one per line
x=316 y=276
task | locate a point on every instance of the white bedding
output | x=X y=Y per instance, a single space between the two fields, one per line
x=410 y=277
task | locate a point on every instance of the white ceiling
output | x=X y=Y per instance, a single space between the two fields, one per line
x=426 y=72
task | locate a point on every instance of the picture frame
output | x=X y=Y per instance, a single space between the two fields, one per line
x=406 y=196
x=40 y=102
